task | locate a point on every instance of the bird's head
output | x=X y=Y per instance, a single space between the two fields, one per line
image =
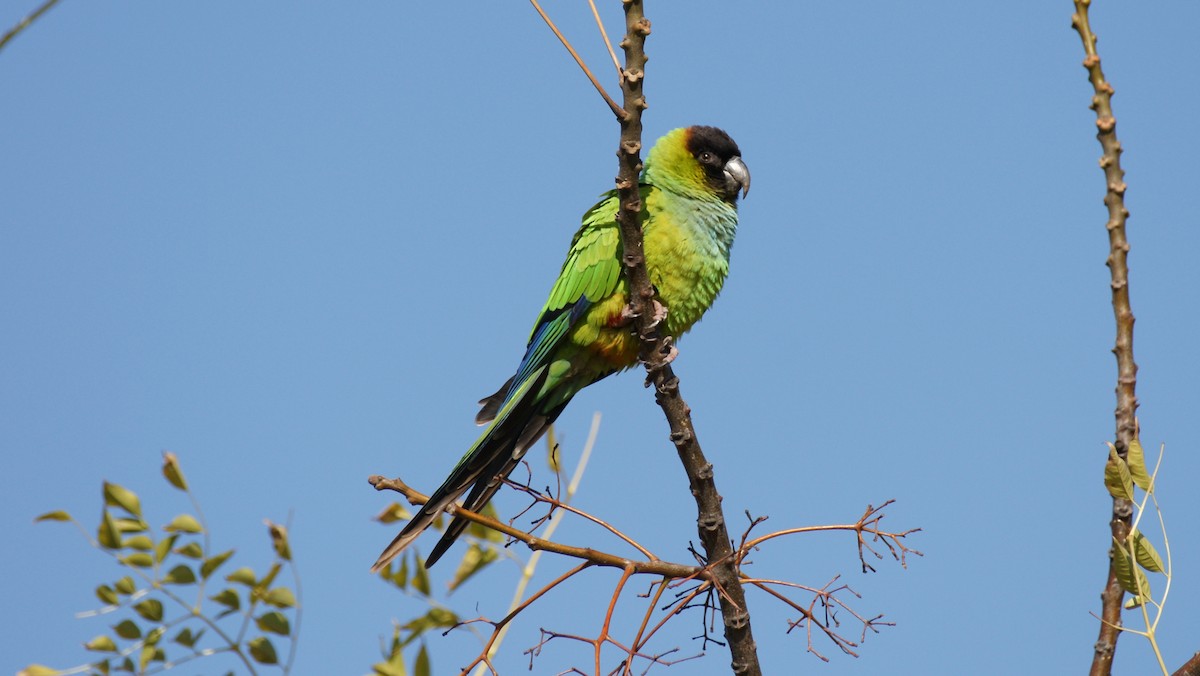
x=699 y=161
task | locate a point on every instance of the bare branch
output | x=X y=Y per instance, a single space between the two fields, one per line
x=556 y=504
x=595 y=557
x=1126 y=424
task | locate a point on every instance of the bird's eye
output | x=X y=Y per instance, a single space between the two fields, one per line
x=705 y=157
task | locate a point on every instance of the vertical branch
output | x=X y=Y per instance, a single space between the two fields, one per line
x=711 y=521
x=1126 y=423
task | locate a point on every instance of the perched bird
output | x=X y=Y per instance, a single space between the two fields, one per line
x=689 y=189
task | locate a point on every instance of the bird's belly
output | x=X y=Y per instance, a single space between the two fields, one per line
x=605 y=335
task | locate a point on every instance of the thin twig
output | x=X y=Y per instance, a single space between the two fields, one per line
x=563 y=508
x=485 y=656
x=604 y=34
x=617 y=110
x=1126 y=425
x=596 y=557
x=24 y=23
x=637 y=639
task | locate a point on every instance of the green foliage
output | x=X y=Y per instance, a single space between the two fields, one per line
x=1117 y=477
x=408 y=574
x=164 y=592
x=1135 y=556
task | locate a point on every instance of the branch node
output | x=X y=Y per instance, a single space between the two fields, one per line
x=737 y=620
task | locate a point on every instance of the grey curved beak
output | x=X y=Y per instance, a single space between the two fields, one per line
x=737 y=176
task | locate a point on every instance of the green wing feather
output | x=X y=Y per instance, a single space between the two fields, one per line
x=519 y=412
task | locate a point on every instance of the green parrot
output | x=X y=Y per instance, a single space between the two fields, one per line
x=689 y=190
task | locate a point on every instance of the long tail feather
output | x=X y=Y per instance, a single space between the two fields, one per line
x=489 y=482
x=496 y=448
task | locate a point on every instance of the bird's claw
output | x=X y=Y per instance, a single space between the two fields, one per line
x=657 y=316
x=660 y=313
x=668 y=351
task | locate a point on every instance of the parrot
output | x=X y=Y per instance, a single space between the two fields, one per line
x=689 y=185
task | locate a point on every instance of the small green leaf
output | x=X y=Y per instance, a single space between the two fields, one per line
x=187 y=638
x=212 y=563
x=172 y=472
x=38 y=670
x=1116 y=476
x=101 y=644
x=130 y=525
x=137 y=560
x=274 y=622
x=483 y=532
x=184 y=523
x=1147 y=556
x=393 y=667
x=139 y=542
x=1134 y=602
x=401 y=576
x=163 y=548
x=155 y=635
x=125 y=586
x=150 y=609
x=552 y=458
x=228 y=598
x=421 y=666
x=108 y=536
x=476 y=559
x=50 y=516
x=420 y=578
x=1132 y=579
x=151 y=653
x=393 y=513
x=433 y=619
x=192 y=550
x=127 y=629
x=1135 y=457
x=279 y=541
x=395 y=664
x=107 y=595
x=180 y=574
x=119 y=496
x=280 y=597
x=269 y=577
x=242 y=576
x=262 y=651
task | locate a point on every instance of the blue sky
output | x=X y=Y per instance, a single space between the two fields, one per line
x=295 y=243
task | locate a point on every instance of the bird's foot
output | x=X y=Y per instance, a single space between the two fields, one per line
x=658 y=315
x=667 y=353
x=668 y=350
